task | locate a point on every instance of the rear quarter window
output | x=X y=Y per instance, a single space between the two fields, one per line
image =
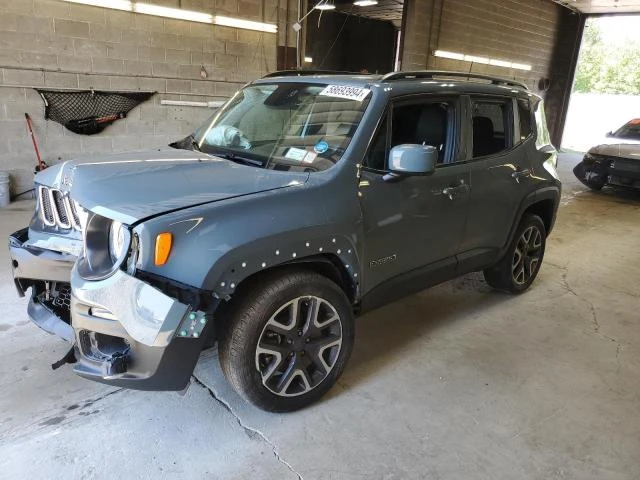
x=543 y=138
x=524 y=114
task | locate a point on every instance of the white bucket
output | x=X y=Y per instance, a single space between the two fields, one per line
x=4 y=189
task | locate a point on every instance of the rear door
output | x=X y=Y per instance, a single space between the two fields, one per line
x=414 y=221
x=500 y=170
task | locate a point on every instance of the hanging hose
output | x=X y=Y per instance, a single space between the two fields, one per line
x=41 y=165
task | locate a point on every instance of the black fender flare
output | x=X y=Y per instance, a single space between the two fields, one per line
x=547 y=193
x=248 y=260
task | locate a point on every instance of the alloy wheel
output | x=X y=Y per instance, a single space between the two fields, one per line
x=526 y=256
x=299 y=346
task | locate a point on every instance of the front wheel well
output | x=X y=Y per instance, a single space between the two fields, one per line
x=544 y=209
x=327 y=265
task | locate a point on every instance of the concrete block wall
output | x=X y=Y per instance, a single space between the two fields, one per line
x=50 y=43
x=540 y=33
x=522 y=31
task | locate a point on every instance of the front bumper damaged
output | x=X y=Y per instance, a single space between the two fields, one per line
x=33 y=263
x=125 y=331
x=47 y=273
x=596 y=172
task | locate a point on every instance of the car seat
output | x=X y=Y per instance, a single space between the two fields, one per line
x=484 y=139
x=431 y=128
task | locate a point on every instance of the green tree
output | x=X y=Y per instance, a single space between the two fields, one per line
x=626 y=76
x=590 y=61
x=606 y=67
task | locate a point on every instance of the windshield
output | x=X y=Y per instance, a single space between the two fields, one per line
x=631 y=130
x=286 y=126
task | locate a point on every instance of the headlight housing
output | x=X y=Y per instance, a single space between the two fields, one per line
x=116 y=240
x=106 y=245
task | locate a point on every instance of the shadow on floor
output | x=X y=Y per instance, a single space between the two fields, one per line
x=620 y=194
x=381 y=334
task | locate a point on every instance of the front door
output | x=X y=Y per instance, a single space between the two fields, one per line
x=413 y=222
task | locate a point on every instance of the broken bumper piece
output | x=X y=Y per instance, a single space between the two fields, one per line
x=47 y=273
x=132 y=335
x=48 y=321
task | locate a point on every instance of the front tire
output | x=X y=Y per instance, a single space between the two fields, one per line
x=287 y=339
x=518 y=269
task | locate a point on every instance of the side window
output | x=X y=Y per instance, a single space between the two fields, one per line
x=419 y=123
x=524 y=113
x=422 y=124
x=491 y=129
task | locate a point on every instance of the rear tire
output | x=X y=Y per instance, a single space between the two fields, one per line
x=519 y=267
x=286 y=339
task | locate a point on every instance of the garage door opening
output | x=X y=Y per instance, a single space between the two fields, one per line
x=360 y=36
x=606 y=90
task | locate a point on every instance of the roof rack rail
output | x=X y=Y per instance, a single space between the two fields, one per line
x=442 y=73
x=298 y=73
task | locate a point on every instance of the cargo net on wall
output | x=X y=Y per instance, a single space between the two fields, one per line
x=88 y=112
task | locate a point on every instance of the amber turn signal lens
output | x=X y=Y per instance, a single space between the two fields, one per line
x=163 y=247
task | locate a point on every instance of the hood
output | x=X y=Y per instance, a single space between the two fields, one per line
x=132 y=186
x=618 y=147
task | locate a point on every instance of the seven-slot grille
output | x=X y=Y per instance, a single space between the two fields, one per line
x=57 y=209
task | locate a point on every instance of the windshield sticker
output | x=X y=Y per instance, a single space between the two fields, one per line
x=321 y=147
x=341 y=91
x=309 y=157
x=296 y=154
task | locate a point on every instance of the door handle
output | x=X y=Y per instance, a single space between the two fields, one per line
x=452 y=190
x=449 y=192
x=520 y=173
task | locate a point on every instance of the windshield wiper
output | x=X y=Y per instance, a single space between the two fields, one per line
x=239 y=159
x=231 y=155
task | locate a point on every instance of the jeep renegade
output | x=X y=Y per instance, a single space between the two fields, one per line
x=305 y=200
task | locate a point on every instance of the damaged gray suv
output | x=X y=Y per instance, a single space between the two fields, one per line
x=304 y=201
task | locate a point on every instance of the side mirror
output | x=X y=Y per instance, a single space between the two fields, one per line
x=412 y=159
x=609 y=134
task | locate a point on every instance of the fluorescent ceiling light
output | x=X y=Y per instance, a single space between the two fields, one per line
x=179 y=13
x=451 y=55
x=113 y=4
x=483 y=60
x=326 y=5
x=308 y=60
x=365 y=3
x=500 y=63
x=521 y=66
x=246 y=24
x=474 y=59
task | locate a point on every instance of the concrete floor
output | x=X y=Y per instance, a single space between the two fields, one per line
x=457 y=382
